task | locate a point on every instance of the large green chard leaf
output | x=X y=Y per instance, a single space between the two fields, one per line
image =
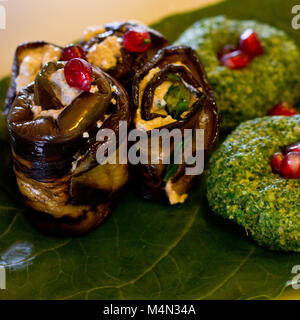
x=4 y=83
x=145 y=249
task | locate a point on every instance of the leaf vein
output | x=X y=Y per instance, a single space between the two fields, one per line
x=186 y=229
x=13 y=221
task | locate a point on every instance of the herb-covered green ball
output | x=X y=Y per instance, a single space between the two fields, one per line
x=251 y=92
x=241 y=186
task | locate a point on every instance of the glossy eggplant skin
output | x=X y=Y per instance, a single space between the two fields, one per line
x=184 y=62
x=130 y=62
x=12 y=90
x=55 y=165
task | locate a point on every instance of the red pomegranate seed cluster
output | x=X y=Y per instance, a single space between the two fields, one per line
x=78 y=71
x=235 y=60
x=283 y=109
x=78 y=74
x=72 y=51
x=250 y=44
x=136 y=40
x=294 y=147
x=227 y=49
x=238 y=57
x=288 y=165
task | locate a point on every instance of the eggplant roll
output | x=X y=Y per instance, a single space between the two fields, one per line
x=104 y=48
x=172 y=91
x=29 y=59
x=53 y=130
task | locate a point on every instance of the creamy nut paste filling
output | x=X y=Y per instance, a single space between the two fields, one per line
x=105 y=54
x=92 y=31
x=65 y=93
x=158 y=102
x=31 y=62
x=154 y=123
x=173 y=196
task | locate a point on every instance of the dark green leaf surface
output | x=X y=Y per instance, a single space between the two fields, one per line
x=145 y=250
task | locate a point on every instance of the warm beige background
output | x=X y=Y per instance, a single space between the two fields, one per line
x=60 y=21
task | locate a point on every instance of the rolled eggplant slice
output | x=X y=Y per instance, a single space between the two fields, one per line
x=104 y=48
x=172 y=91
x=54 y=149
x=29 y=59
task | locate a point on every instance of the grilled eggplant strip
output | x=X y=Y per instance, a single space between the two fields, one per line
x=38 y=50
x=169 y=66
x=87 y=165
x=55 y=156
x=127 y=63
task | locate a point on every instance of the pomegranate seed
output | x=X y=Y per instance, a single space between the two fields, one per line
x=78 y=73
x=275 y=161
x=293 y=147
x=72 y=51
x=290 y=166
x=283 y=109
x=136 y=40
x=250 y=43
x=235 y=60
x=227 y=49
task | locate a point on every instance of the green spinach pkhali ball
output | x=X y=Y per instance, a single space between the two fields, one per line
x=251 y=92
x=241 y=186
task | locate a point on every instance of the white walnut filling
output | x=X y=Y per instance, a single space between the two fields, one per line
x=145 y=81
x=38 y=112
x=105 y=54
x=173 y=196
x=94 y=89
x=92 y=31
x=63 y=91
x=31 y=62
x=140 y=123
